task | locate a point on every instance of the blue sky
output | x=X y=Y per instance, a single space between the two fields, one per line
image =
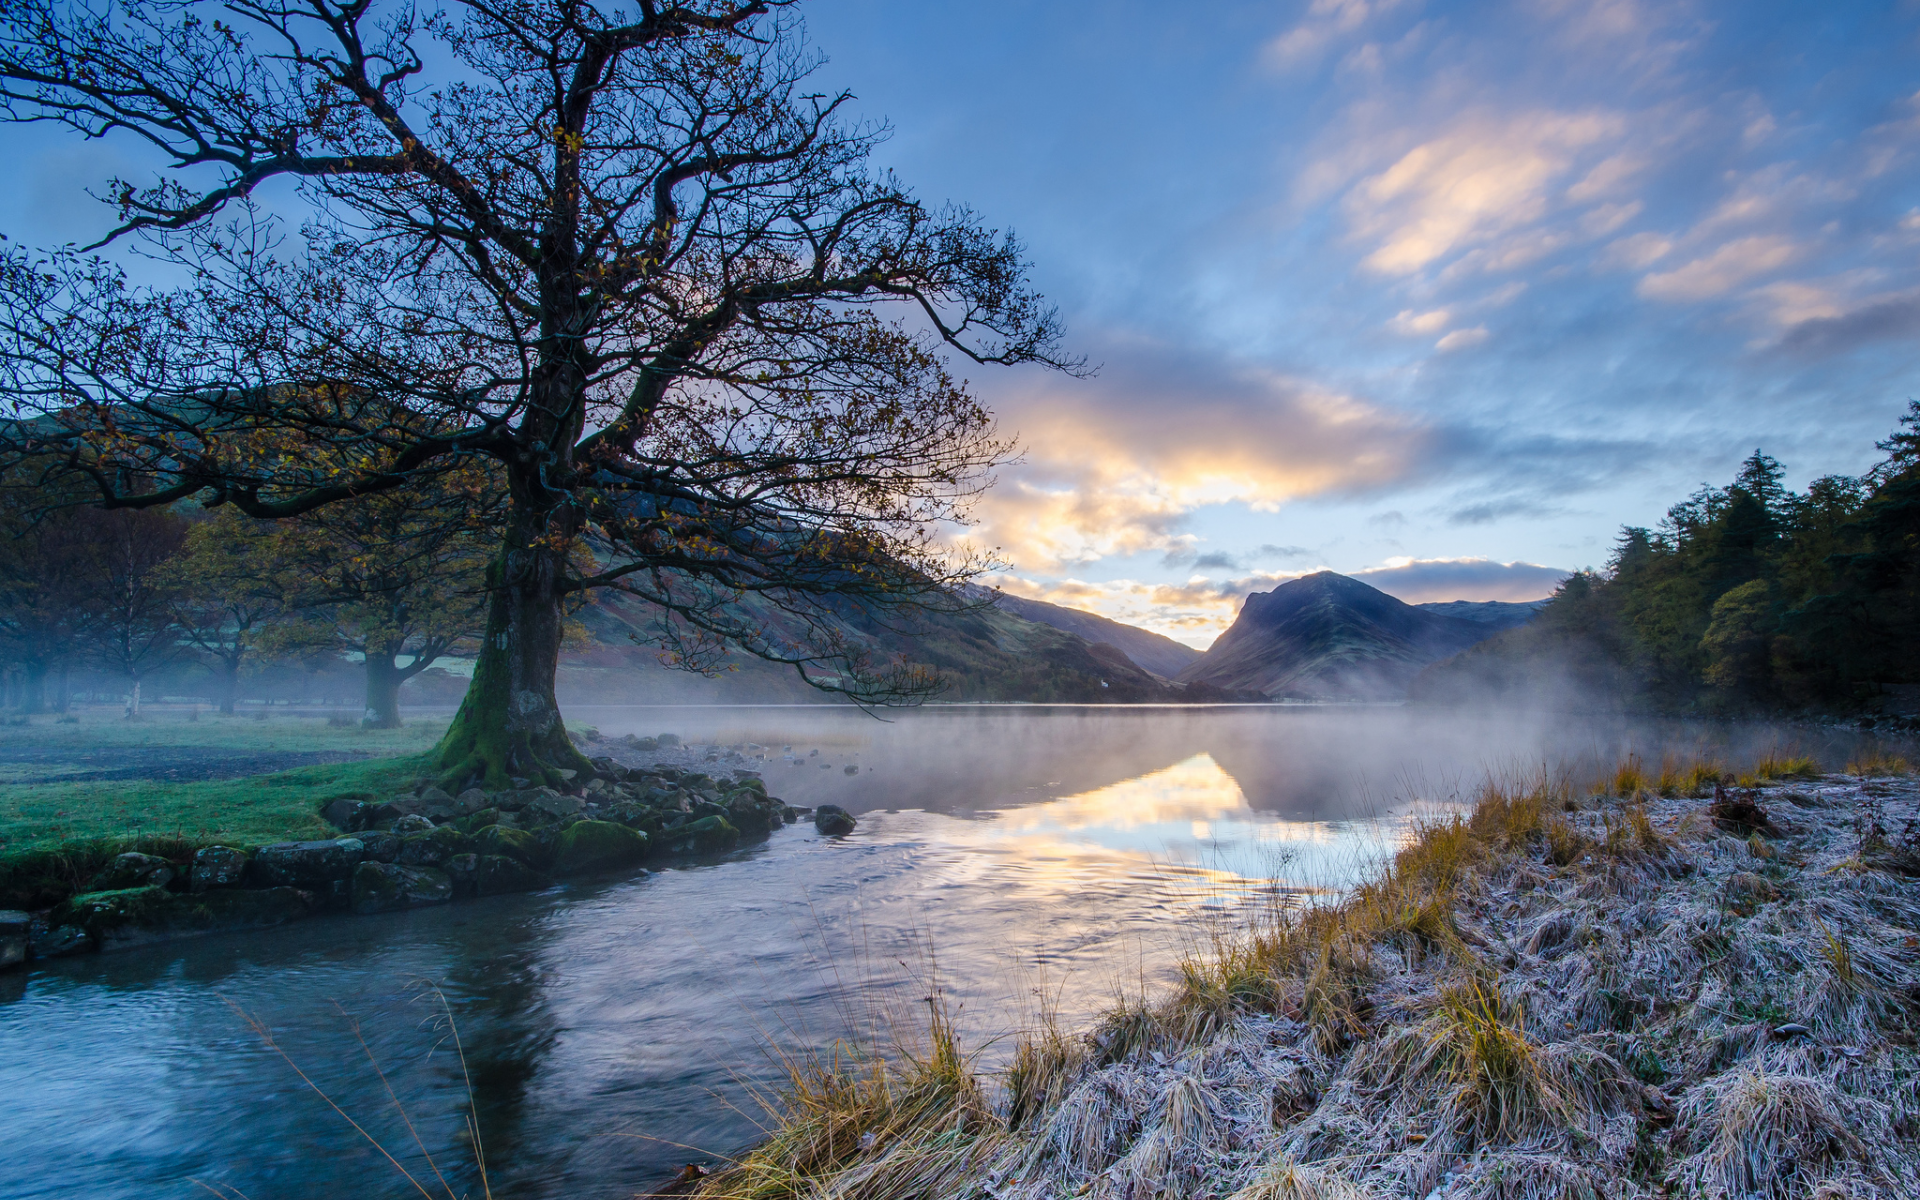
x=1439 y=295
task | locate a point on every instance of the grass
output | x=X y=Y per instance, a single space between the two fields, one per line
x=1544 y=995
x=1880 y=765
x=55 y=836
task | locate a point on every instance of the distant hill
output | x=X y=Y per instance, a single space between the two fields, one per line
x=1328 y=637
x=983 y=653
x=1500 y=614
x=1161 y=655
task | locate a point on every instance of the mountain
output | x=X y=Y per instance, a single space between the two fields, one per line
x=982 y=652
x=1328 y=637
x=1161 y=655
x=1500 y=614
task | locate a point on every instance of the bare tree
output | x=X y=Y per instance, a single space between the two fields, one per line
x=620 y=250
x=126 y=605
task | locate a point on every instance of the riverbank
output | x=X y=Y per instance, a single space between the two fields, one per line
x=364 y=837
x=1554 y=994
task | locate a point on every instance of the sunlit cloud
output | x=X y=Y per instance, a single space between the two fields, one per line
x=1718 y=272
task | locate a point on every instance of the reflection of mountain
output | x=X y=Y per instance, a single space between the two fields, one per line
x=1327 y=637
x=1161 y=655
x=984 y=652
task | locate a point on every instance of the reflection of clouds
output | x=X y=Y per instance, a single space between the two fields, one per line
x=1191 y=819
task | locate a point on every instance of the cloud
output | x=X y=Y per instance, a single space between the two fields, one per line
x=1480 y=181
x=1420 y=324
x=1419 y=580
x=1114 y=466
x=1719 y=272
x=1325 y=21
x=1461 y=339
x=1826 y=329
x=1270 y=550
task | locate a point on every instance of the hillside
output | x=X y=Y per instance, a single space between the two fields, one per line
x=1161 y=655
x=1500 y=614
x=982 y=653
x=1328 y=637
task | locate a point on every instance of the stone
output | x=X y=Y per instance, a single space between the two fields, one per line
x=470 y=801
x=708 y=835
x=305 y=864
x=217 y=867
x=496 y=875
x=508 y=842
x=666 y=739
x=434 y=795
x=58 y=941
x=376 y=816
x=597 y=846
x=552 y=805
x=343 y=815
x=381 y=847
x=412 y=823
x=464 y=870
x=388 y=887
x=833 y=820
x=133 y=870
x=16 y=931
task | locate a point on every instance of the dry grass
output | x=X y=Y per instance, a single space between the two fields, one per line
x=1880 y=765
x=1535 y=999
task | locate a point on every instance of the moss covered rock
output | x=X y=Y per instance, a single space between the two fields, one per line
x=433 y=848
x=386 y=887
x=597 y=846
x=130 y=916
x=496 y=874
x=507 y=842
x=708 y=835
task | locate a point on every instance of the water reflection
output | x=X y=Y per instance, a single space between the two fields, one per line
x=611 y=1024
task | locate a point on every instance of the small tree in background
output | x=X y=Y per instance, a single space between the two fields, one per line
x=47 y=570
x=624 y=254
x=127 y=602
x=232 y=582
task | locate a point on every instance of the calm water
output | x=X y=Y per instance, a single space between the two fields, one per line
x=615 y=1029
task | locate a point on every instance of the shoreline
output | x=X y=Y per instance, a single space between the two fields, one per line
x=1557 y=994
x=419 y=847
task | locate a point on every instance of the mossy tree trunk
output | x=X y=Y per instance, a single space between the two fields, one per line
x=509 y=724
x=383 y=692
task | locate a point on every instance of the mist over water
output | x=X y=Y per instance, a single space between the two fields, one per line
x=614 y=1028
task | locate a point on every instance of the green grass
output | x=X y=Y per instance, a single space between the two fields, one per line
x=53 y=836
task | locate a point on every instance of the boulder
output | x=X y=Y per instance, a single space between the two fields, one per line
x=58 y=941
x=343 y=815
x=120 y=914
x=381 y=847
x=708 y=835
x=597 y=846
x=552 y=805
x=132 y=916
x=464 y=870
x=433 y=848
x=16 y=930
x=666 y=739
x=133 y=870
x=434 y=795
x=217 y=867
x=833 y=820
x=412 y=823
x=496 y=874
x=507 y=842
x=470 y=801
x=306 y=864
x=387 y=887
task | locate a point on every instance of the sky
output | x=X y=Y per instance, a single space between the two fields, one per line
x=1436 y=295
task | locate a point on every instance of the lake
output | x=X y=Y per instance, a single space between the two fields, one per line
x=615 y=1029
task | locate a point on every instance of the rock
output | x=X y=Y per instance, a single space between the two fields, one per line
x=665 y=740
x=470 y=801
x=381 y=847
x=16 y=931
x=434 y=848
x=833 y=820
x=434 y=795
x=497 y=875
x=387 y=887
x=132 y=916
x=597 y=846
x=118 y=914
x=708 y=835
x=305 y=864
x=1738 y=811
x=58 y=941
x=411 y=824
x=342 y=815
x=507 y=842
x=607 y=769
x=464 y=870
x=133 y=870
x=481 y=819
x=377 y=816
x=217 y=867
x=551 y=804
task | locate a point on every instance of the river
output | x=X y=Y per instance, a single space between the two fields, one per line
x=615 y=1029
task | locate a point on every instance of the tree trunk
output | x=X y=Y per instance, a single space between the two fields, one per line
x=383 y=690
x=509 y=724
x=64 y=695
x=133 y=700
x=229 y=685
x=33 y=697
